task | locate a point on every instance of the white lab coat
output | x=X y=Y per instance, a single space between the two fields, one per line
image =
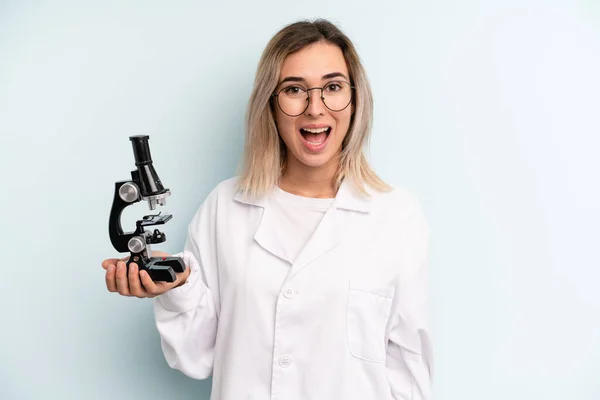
x=346 y=321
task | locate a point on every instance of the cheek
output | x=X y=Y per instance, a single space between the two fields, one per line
x=285 y=126
x=343 y=121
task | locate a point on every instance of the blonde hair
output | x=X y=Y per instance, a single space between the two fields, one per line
x=264 y=159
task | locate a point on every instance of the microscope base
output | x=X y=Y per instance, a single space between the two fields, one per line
x=160 y=269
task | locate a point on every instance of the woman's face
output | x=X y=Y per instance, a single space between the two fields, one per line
x=318 y=65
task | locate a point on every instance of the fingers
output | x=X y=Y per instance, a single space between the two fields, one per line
x=156 y=288
x=126 y=283
x=133 y=282
x=149 y=285
x=121 y=279
x=135 y=286
x=112 y=261
x=109 y=261
x=111 y=284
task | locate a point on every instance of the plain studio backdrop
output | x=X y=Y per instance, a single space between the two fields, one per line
x=487 y=110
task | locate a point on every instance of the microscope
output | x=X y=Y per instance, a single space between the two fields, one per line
x=144 y=185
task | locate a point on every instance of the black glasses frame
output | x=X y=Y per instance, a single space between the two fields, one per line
x=276 y=95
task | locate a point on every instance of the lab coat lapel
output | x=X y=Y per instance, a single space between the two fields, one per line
x=335 y=224
x=267 y=234
x=328 y=235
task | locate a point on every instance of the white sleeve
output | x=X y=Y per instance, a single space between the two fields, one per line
x=409 y=360
x=186 y=316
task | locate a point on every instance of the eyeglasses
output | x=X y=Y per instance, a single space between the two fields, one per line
x=293 y=100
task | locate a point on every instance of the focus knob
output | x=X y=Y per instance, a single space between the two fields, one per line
x=129 y=192
x=136 y=244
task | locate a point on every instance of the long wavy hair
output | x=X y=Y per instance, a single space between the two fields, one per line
x=265 y=156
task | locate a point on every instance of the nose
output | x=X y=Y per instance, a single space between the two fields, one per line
x=315 y=102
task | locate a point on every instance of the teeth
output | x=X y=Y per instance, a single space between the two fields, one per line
x=319 y=130
x=315 y=143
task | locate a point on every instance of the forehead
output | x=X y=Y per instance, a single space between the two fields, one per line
x=314 y=61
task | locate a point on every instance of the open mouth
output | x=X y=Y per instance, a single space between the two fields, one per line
x=315 y=138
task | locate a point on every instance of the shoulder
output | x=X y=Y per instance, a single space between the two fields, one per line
x=207 y=211
x=225 y=189
x=399 y=200
x=401 y=206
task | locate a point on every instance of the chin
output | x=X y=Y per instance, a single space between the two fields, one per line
x=314 y=160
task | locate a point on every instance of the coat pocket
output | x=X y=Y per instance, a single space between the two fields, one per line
x=367 y=313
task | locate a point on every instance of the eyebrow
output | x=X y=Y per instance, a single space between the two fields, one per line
x=299 y=79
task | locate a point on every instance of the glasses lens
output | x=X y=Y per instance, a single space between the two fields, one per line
x=337 y=95
x=292 y=100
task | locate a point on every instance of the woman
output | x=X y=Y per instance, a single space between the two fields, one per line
x=307 y=274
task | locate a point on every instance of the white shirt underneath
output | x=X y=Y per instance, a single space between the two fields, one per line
x=298 y=217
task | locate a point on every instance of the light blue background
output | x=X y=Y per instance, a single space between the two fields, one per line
x=488 y=110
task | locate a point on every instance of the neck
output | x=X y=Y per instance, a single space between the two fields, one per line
x=306 y=181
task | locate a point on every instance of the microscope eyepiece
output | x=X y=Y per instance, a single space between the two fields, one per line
x=141 y=149
x=150 y=185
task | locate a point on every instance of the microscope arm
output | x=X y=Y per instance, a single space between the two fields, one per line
x=118 y=238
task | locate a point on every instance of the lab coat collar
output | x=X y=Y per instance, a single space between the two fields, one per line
x=347 y=198
x=328 y=234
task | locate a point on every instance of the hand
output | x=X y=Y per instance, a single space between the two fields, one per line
x=137 y=283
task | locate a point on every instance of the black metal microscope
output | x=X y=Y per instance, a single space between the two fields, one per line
x=144 y=185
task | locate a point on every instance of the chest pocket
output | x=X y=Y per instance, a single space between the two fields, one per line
x=367 y=313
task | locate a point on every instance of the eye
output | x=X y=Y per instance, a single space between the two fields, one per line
x=333 y=87
x=293 y=90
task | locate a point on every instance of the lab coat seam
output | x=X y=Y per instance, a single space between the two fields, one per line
x=414 y=352
x=217 y=269
x=390 y=329
x=171 y=309
x=274 y=371
x=386 y=296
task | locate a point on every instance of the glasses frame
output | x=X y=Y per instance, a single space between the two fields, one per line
x=276 y=96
